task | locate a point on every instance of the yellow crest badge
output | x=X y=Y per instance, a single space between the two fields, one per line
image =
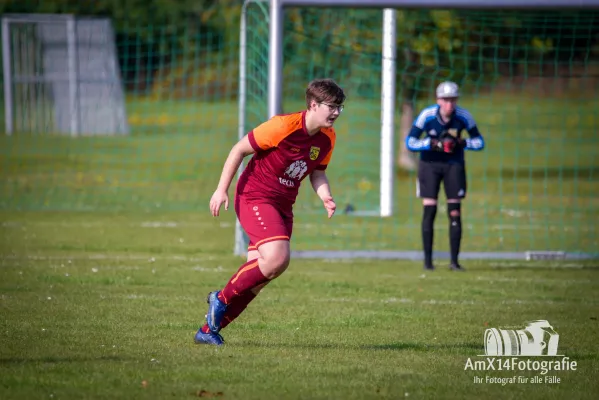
x=314 y=152
x=453 y=132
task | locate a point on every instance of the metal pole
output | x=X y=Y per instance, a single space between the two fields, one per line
x=241 y=242
x=275 y=59
x=388 y=111
x=6 y=64
x=73 y=74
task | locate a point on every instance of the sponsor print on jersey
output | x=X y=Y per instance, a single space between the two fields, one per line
x=297 y=169
x=286 y=182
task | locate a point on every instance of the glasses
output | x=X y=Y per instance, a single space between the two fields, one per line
x=334 y=107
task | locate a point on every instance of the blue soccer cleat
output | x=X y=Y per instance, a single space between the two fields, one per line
x=208 y=338
x=216 y=312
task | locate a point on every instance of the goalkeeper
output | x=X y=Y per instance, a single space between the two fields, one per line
x=442 y=159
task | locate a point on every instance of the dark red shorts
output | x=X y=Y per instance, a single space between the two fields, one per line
x=262 y=222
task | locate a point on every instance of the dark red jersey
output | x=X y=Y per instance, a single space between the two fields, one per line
x=285 y=155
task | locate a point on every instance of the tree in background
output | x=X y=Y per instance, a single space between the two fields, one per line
x=151 y=35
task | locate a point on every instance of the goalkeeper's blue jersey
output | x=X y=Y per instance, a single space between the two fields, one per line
x=430 y=123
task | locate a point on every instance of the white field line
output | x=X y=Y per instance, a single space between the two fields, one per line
x=536 y=280
x=516 y=213
x=493 y=264
x=495 y=279
x=134 y=296
x=227 y=225
x=154 y=258
x=445 y=302
x=131 y=257
x=571 y=213
x=101 y=268
x=357 y=300
x=209 y=258
x=533 y=264
x=66 y=261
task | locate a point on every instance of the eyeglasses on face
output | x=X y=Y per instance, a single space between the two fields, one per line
x=333 y=107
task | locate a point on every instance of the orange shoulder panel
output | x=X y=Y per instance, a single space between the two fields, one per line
x=330 y=132
x=270 y=133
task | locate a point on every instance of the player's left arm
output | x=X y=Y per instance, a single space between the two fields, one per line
x=475 y=142
x=320 y=182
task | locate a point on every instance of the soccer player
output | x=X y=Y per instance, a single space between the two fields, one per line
x=286 y=149
x=442 y=159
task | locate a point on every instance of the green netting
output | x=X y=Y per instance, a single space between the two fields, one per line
x=181 y=105
x=528 y=78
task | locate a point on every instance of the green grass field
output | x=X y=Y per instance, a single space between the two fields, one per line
x=107 y=252
x=99 y=305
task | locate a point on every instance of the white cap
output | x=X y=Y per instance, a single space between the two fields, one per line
x=448 y=89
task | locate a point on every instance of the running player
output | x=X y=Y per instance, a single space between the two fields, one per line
x=286 y=149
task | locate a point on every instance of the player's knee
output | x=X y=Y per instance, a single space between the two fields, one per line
x=277 y=263
x=429 y=202
x=453 y=210
x=282 y=261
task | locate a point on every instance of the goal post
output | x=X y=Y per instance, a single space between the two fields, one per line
x=378 y=231
x=275 y=103
x=61 y=75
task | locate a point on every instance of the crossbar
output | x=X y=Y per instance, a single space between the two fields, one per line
x=447 y=4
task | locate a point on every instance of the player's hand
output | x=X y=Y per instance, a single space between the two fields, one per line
x=329 y=205
x=436 y=145
x=449 y=145
x=218 y=198
x=445 y=145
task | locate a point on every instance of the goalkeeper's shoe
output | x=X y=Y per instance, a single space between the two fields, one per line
x=456 y=267
x=216 y=312
x=208 y=338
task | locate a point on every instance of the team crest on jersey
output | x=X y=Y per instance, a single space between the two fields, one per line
x=432 y=132
x=314 y=152
x=453 y=132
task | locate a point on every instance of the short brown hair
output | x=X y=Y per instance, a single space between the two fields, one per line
x=324 y=90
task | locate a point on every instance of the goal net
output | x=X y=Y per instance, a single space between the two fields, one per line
x=527 y=77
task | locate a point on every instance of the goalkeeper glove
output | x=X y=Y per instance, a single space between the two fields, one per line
x=436 y=145
x=447 y=145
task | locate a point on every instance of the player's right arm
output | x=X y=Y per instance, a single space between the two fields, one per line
x=413 y=141
x=239 y=151
x=265 y=136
